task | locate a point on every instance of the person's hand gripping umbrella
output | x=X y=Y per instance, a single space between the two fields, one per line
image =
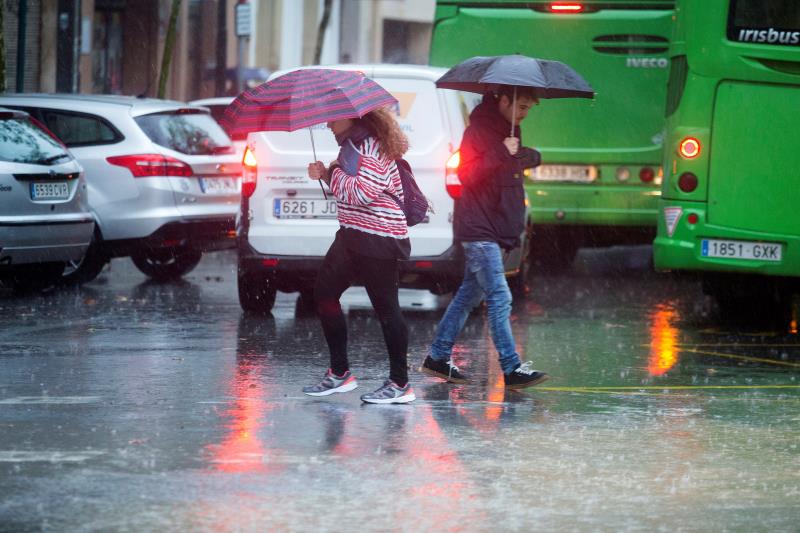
x=303 y=98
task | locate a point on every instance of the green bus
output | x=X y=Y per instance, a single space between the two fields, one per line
x=730 y=201
x=600 y=179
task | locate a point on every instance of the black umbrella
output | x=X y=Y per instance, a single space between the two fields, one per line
x=548 y=79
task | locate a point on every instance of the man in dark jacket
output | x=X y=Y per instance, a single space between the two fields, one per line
x=489 y=218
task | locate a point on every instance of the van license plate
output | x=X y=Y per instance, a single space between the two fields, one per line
x=304 y=208
x=758 y=251
x=221 y=186
x=58 y=190
x=581 y=173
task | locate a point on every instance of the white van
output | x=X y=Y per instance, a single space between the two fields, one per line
x=286 y=226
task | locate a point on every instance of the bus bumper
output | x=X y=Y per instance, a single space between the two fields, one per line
x=679 y=244
x=578 y=204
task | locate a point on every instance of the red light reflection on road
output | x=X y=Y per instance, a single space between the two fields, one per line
x=242 y=450
x=664 y=340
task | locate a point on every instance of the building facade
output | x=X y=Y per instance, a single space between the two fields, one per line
x=116 y=46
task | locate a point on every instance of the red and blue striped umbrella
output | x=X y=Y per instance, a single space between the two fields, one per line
x=303 y=98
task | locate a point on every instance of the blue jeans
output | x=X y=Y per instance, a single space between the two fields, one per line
x=483 y=277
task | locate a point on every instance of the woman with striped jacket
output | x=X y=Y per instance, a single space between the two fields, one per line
x=372 y=238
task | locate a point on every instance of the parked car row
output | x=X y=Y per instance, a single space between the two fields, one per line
x=157 y=180
x=161 y=182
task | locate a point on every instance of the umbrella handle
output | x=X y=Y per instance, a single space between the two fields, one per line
x=314 y=151
x=513 y=111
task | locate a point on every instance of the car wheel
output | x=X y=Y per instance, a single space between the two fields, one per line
x=751 y=301
x=519 y=283
x=306 y=304
x=257 y=291
x=36 y=277
x=167 y=264
x=89 y=267
x=552 y=250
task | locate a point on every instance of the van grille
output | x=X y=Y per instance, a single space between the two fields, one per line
x=630 y=44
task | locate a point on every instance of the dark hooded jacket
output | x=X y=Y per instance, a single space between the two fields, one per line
x=492 y=204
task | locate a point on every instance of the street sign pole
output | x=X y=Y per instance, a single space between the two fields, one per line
x=243 y=30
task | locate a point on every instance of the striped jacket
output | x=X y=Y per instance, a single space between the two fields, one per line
x=363 y=200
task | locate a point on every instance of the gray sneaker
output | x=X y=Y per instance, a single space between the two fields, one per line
x=390 y=392
x=332 y=383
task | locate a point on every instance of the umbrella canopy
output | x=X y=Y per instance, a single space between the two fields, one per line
x=303 y=98
x=549 y=79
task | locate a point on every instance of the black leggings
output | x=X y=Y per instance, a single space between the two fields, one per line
x=343 y=268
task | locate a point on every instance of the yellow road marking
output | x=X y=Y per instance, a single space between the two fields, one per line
x=743 y=357
x=688 y=348
x=603 y=389
x=730 y=345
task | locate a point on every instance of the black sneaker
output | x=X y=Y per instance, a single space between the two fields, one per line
x=524 y=376
x=443 y=369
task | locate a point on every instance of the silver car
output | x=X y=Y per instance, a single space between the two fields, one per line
x=45 y=223
x=163 y=178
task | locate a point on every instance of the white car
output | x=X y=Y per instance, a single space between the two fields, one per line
x=45 y=223
x=163 y=178
x=286 y=226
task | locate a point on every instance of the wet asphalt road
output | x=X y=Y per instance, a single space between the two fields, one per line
x=133 y=406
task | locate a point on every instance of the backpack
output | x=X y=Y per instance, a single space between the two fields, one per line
x=416 y=206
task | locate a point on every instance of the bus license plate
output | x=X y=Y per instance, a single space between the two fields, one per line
x=304 y=208
x=58 y=190
x=758 y=251
x=580 y=173
x=219 y=186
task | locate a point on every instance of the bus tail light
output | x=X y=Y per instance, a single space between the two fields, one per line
x=566 y=7
x=151 y=165
x=249 y=168
x=687 y=182
x=647 y=174
x=623 y=174
x=689 y=148
x=451 y=181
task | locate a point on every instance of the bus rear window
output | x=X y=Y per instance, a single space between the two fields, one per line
x=765 y=22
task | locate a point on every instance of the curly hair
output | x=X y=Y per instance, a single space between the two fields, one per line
x=393 y=142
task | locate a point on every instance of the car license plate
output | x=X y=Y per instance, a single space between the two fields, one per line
x=57 y=190
x=215 y=186
x=304 y=208
x=759 y=251
x=581 y=173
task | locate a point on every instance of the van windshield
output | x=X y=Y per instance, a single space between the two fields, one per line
x=765 y=21
x=193 y=133
x=21 y=141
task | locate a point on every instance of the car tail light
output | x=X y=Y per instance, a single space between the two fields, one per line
x=566 y=7
x=148 y=165
x=647 y=174
x=451 y=181
x=249 y=167
x=687 y=182
x=689 y=148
